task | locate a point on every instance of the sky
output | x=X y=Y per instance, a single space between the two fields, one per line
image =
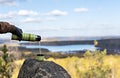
x=63 y=18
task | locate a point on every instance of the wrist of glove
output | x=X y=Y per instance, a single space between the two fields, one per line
x=16 y=31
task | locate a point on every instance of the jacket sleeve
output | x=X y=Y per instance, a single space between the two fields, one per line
x=5 y=27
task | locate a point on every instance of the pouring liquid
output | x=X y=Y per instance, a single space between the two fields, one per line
x=40 y=56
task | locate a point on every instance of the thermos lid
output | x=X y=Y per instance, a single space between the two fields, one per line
x=38 y=38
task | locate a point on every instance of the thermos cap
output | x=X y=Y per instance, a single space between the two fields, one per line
x=38 y=38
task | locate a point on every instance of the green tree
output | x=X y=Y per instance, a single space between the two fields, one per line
x=6 y=61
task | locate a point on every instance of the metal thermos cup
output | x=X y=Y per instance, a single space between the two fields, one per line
x=40 y=57
x=27 y=37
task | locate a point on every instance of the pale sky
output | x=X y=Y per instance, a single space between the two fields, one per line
x=56 y=18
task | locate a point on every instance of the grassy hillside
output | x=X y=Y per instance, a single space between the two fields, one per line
x=93 y=65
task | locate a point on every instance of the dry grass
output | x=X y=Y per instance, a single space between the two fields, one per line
x=77 y=66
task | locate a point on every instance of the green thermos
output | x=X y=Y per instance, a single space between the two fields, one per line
x=27 y=37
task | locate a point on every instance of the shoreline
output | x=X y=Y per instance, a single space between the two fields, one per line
x=112 y=45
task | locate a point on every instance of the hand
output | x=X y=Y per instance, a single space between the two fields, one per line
x=5 y=27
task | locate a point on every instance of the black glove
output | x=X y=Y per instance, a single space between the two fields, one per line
x=16 y=31
x=6 y=27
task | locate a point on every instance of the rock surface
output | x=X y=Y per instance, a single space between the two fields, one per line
x=33 y=68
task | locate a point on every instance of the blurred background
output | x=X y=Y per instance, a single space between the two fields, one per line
x=81 y=34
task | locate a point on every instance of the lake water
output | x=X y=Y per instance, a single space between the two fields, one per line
x=64 y=48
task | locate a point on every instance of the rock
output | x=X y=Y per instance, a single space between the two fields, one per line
x=33 y=68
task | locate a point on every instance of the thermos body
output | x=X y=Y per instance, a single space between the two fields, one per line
x=27 y=37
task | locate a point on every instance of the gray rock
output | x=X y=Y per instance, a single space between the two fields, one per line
x=33 y=68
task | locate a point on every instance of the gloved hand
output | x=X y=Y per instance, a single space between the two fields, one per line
x=6 y=27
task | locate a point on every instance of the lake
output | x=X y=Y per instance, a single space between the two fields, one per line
x=64 y=48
